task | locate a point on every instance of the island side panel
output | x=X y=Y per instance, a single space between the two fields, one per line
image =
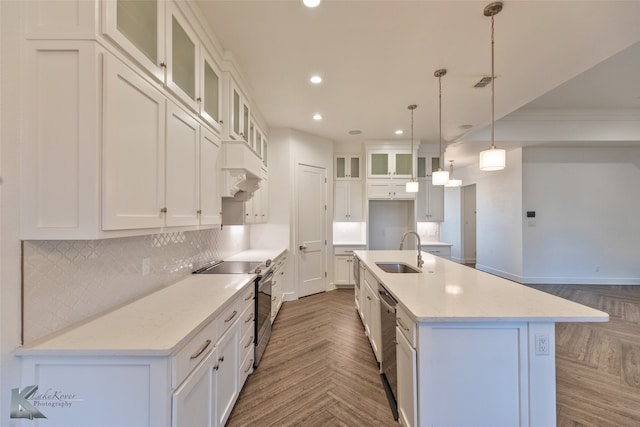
x=478 y=374
x=542 y=374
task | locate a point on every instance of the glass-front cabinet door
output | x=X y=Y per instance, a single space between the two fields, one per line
x=182 y=53
x=137 y=27
x=240 y=114
x=390 y=164
x=379 y=165
x=347 y=166
x=210 y=99
x=403 y=165
x=427 y=164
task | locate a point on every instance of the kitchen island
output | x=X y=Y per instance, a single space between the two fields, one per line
x=473 y=349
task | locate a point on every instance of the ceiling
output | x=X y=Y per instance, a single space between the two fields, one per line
x=377 y=57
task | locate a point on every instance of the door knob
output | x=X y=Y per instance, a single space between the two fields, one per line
x=302 y=247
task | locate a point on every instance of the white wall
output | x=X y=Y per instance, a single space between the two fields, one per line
x=499 y=216
x=452 y=228
x=10 y=300
x=586 y=228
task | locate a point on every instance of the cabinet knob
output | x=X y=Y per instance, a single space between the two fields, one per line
x=199 y=211
x=163 y=210
x=198 y=99
x=221 y=359
x=221 y=121
x=163 y=65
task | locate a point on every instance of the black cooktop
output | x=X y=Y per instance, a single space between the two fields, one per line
x=231 y=267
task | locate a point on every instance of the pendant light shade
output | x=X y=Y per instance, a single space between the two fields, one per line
x=493 y=159
x=412 y=186
x=452 y=181
x=440 y=177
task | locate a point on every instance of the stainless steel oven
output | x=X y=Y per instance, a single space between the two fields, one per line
x=262 y=308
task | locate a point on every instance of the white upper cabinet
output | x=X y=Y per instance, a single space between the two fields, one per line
x=430 y=202
x=210 y=200
x=427 y=164
x=389 y=164
x=133 y=150
x=183 y=167
x=137 y=26
x=210 y=90
x=347 y=166
x=239 y=113
x=183 y=58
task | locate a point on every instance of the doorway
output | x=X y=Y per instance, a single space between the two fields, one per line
x=311 y=230
x=469 y=224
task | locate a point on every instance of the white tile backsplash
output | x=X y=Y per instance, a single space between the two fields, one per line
x=429 y=231
x=66 y=282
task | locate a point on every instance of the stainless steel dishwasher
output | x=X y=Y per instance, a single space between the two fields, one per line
x=389 y=368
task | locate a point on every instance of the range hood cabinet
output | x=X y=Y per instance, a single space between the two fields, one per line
x=241 y=171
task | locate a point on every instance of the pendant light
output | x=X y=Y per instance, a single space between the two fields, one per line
x=412 y=185
x=452 y=181
x=440 y=177
x=493 y=159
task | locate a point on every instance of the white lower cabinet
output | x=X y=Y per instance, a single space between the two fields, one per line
x=372 y=314
x=226 y=379
x=196 y=386
x=192 y=402
x=277 y=287
x=406 y=373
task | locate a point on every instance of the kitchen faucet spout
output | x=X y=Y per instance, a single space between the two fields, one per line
x=420 y=261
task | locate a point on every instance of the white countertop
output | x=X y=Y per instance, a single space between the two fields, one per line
x=155 y=325
x=449 y=292
x=256 y=255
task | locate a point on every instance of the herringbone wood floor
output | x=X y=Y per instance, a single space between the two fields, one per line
x=598 y=364
x=318 y=370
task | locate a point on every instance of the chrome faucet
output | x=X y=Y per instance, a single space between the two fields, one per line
x=420 y=261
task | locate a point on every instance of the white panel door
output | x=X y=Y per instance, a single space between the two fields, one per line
x=133 y=150
x=311 y=230
x=210 y=200
x=183 y=167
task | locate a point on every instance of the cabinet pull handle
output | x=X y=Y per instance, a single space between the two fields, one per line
x=199 y=99
x=249 y=319
x=248 y=297
x=228 y=319
x=368 y=297
x=273 y=298
x=399 y=321
x=249 y=342
x=216 y=366
x=163 y=65
x=249 y=367
x=221 y=359
x=163 y=210
x=201 y=349
x=199 y=211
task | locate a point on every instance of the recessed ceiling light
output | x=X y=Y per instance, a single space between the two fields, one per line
x=311 y=3
x=318 y=116
x=399 y=132
x=355 y=132
x=315 y=79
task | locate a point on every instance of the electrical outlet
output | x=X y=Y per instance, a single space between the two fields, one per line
x=146 y=266
x=542 y=345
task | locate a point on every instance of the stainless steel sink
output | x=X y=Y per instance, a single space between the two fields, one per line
x=397 y=267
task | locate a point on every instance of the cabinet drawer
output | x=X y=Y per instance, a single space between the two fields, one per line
x=443 y=251
x=227 y=317
x=193 y=353
x=406 y=325
x=247 y=344
x=247 y=299
x=246 y=368
x=247 y=318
